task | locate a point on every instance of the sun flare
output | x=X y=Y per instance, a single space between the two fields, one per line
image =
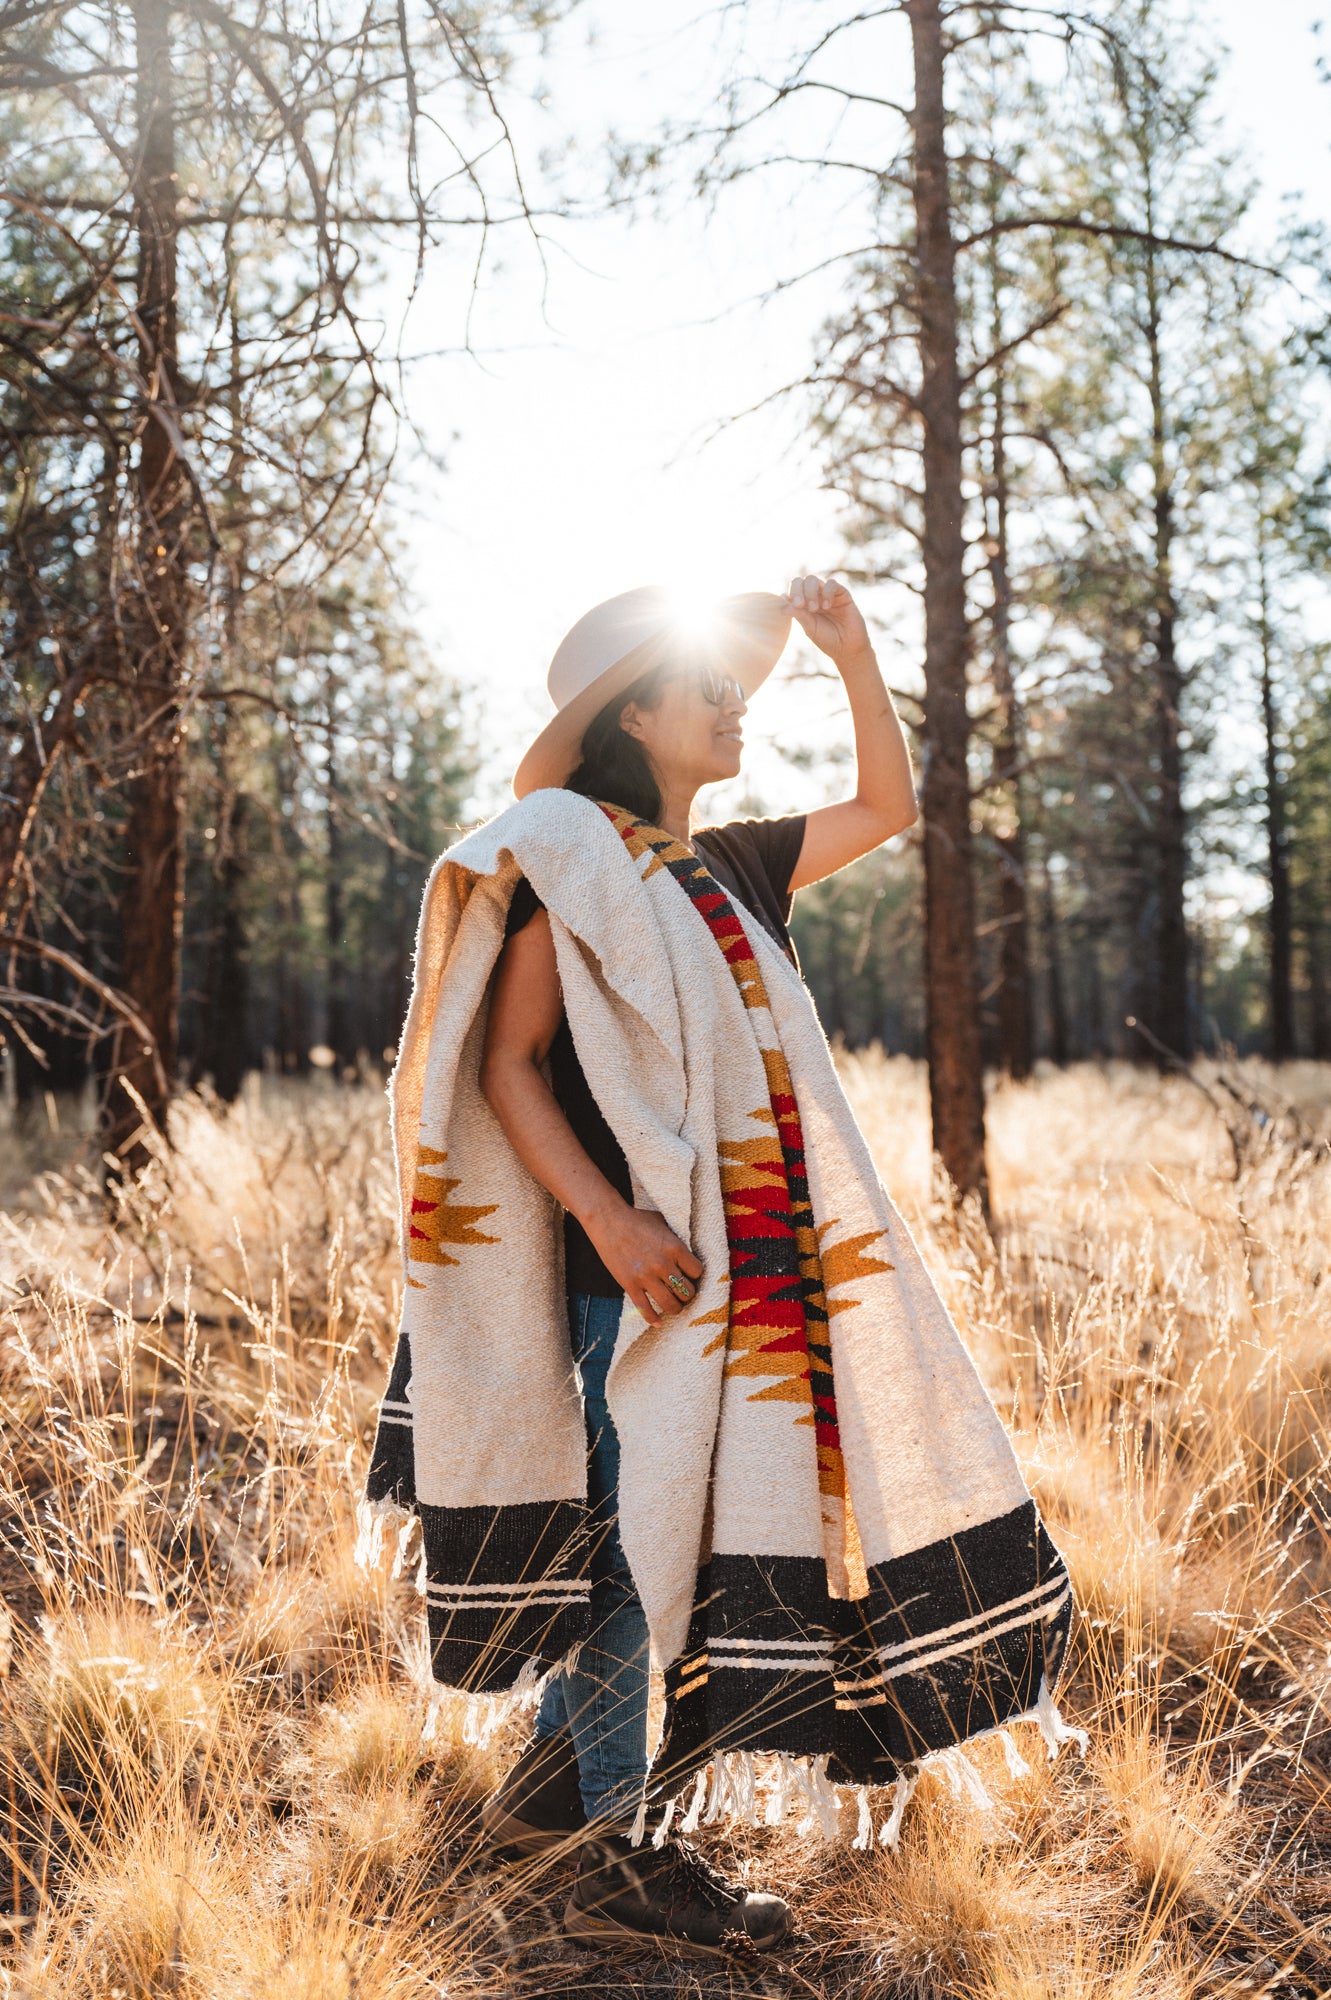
x=695 y=614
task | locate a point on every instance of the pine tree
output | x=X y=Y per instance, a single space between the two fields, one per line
x=1279 y=519
x=1134 y=409
x=205 y=412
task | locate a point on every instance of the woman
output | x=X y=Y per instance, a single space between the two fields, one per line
x=801 y=1499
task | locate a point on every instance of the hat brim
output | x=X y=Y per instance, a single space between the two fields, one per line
x=750 y=637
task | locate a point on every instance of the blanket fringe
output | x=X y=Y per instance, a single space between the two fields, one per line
x=689 y=1823
x=889 y=1833
x=487 y=1713
x=728 y=1786
x=659 y=1837
x=1012 y=1757
x=824 y=1803
x=374 y=1518
x=482 y=1714
x=778 y=1804
x=1052 y=1727
x=733 y=1794
x=963 y=1780
x=406 y=1535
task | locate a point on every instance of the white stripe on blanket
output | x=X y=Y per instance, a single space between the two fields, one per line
x=771 y=1645
x=496 y=1604
x=1037 y=1617
x=485 y=1593
x=735 y=1652
x=814 y=1659
x=963 y=1624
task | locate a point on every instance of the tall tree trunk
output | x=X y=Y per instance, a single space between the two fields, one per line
x=338 y=1026
x=1014 y=992
x=1319 y=1003
x=293 y=1022
x=1170 y=1016
x=956 y=1080
x=225 y=1043
x=1056 y=990
x=226 y=1029
x=1280 y=923
x=393 y=989
x=157 y=617
x=1096 y=1043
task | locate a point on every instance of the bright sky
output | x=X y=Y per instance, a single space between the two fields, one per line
x=581 y=440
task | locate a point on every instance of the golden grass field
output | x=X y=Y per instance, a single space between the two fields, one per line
x=225 y=1777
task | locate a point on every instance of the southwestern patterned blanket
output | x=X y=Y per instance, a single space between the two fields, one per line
x=824 y=1516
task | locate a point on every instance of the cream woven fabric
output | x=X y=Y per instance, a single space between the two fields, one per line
x=889 y=1549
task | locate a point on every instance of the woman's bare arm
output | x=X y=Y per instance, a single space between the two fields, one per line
x=526 y=1008
x=884 y=799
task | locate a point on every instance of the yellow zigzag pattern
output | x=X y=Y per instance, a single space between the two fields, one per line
x=435 y=1220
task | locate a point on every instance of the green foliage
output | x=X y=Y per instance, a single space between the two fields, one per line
x=1309 y=806
x=323 y=754
x=1142 y=434
x=859 y=943
x=314 y=829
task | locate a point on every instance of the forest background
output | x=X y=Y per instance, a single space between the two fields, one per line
x=283 y=290
x=347 y=354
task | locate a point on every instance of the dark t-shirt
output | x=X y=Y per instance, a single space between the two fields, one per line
x=754 y=860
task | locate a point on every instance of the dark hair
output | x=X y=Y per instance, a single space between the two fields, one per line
x=614 y=765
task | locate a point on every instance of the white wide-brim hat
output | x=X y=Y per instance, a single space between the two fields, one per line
x=616 y=642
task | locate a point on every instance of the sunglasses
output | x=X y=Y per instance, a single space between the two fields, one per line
x=719 y=689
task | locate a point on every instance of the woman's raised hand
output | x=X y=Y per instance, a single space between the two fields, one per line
x=659 y=1273
x=826 y=612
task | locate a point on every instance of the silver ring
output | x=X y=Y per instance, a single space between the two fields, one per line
x=681 y=1287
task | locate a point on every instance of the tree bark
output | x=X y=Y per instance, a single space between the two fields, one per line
x=1014 y=991
x=225 y=1050
x=1096 y=1041
x=1280 y=922
x=1170 y=1016
x=393 y=989
x=338 y=1023
x=156 y=618
x=1058 y=1005
x=293 y=1022
x=956 y=1082
x=1319 y=1003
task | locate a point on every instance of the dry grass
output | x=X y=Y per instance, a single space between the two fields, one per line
x=225 y=1771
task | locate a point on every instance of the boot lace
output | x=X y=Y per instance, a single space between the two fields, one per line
x=692 y=1878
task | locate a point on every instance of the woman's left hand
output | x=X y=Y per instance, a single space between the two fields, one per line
x=826 y=612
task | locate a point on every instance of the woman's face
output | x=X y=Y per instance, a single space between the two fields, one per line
x=690 y=740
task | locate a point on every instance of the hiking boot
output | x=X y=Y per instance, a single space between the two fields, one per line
x=632 y=1895
x=538 y=1806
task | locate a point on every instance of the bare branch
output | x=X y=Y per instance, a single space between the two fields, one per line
x=110 y=996
x=1080 y=225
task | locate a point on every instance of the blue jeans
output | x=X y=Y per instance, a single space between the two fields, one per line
x=602 y=1698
